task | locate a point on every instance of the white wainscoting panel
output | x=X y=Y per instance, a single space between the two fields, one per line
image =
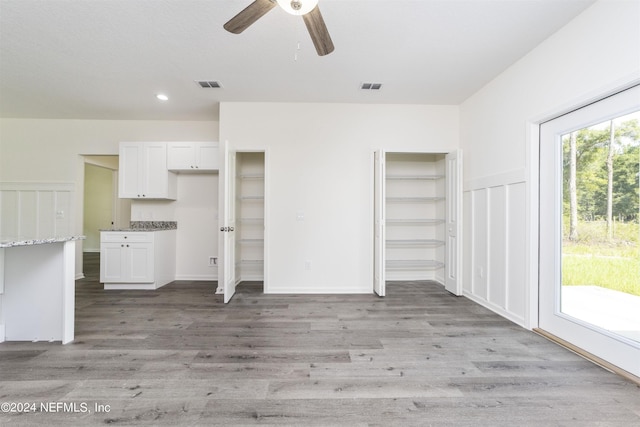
x=497 y=258
x=495 y=245
x=30 y=209
x=467 y=242
x=480 y=248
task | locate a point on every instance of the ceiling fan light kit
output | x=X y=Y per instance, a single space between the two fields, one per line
x=308 y=9
x=298 y=7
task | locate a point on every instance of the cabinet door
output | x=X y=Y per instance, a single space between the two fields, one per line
x=112 y=263
x=181 y=156
x=139 y=260
x=207 y=156
x=155 y=173
x=130 y=173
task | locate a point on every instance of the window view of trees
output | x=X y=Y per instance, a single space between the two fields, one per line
x=601 y=198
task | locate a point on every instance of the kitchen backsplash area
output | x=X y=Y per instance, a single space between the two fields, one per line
x=154 y=225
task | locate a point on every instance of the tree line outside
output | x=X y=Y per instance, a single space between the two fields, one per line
x=601 y=205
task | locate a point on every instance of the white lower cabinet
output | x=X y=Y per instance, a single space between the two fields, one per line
x=137 y=259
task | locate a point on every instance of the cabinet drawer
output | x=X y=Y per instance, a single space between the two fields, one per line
x=121 y=236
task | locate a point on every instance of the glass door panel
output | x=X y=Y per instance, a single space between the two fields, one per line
x=600 y=230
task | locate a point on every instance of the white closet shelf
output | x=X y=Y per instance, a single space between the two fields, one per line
x=414 y=177
x=251 y=176
x=414 y=199
x=413 y=264
x=408 y=221
x=415 y=242
x=251 y=197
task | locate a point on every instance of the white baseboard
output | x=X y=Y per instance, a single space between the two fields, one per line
x=197 y=277
x=129 y=286
x=328 y=289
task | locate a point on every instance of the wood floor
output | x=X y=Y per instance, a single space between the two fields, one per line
x=418 y=357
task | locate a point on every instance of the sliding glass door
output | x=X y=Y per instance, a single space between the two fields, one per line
x=589 y=229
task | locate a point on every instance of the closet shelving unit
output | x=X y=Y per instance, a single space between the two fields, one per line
x=415 y=216
x=250 y=216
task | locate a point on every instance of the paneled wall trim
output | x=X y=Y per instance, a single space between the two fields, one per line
x=495 y=243
x=36 y=209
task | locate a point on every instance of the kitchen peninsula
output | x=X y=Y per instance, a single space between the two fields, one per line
x=37 y=289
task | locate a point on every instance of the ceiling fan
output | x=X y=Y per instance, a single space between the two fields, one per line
x=307 y=8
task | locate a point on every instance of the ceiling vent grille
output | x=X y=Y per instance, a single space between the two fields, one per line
x=209 y=84
x=371 y=86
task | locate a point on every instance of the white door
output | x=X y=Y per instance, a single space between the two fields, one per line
x=227 y=222
x=453 y=248
x=578 y=297
x=379 y=224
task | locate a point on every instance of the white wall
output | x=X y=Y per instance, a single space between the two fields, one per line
x=50 y=151
x=319 y=162
x=597 y=51
x=98 y=204
x=196 y=212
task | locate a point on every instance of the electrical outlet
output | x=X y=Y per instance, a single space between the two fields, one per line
x=213 y=261
x=307 y=265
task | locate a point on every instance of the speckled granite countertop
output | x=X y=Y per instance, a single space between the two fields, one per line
x=147 y=226
x=10 y=242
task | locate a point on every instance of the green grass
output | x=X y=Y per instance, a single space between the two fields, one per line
x=594 y=260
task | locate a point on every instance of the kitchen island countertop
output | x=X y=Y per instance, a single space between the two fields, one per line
x=10 y=242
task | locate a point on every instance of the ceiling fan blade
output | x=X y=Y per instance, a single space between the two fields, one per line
x=249 y=15
x=318 y=32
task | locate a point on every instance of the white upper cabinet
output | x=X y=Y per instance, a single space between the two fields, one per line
x=193 y=156
x=143 y=172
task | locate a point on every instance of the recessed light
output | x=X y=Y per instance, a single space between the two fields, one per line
x=162 y=97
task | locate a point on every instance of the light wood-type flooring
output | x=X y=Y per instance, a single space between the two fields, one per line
x=418 y=357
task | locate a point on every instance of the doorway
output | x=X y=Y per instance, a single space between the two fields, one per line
x=589 y=262
x=242 y=220
x=417 y=199
x=102 y=209
x=250 y=218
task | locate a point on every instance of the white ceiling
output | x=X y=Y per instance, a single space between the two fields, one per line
x=106 y=59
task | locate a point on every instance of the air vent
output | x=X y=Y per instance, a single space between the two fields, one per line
x=371 y=86
x=209 y=84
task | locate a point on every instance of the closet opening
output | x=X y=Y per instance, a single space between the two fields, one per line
x=417 y=201
x=250 y=220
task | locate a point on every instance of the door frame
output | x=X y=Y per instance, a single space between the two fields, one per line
x=380 y=155
x=225 y=156
x=265 y=254
x=533 y=124
x=532 y=143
